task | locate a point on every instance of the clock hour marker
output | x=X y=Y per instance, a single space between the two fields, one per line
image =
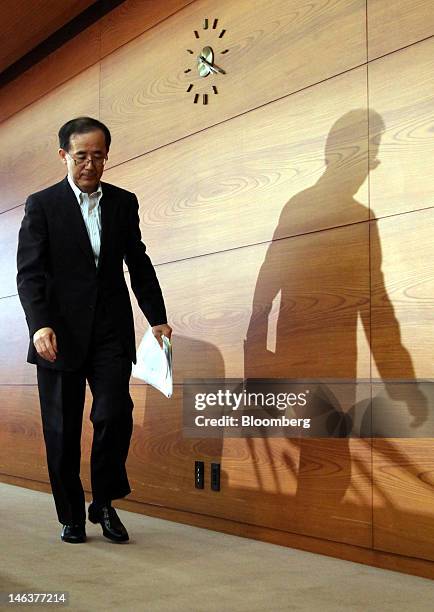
x=205 y=63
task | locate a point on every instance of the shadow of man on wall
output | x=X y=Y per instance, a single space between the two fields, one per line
x=314 y=285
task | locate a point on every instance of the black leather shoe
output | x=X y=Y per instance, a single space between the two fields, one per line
x=74 y=534
x=112 y=527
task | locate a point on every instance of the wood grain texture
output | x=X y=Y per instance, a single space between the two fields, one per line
x=400 y=91
x=319 y=488
x=402 y=296
x=57 y=68
x=28 y=157
x=283 y=47
x=10 y=222
x=14 y=338
x=402 y=324
x=272 y=483
x=393 y=25
x=297 y=301
x=26 y=24
x=402 y=409
x=233 y=184
x=403 y=472
x=300 y=321
x=22 y=449
x=210 y=206
x=132 y=18
x=204 y=322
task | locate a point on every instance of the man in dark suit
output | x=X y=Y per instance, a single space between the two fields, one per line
x=73 y=240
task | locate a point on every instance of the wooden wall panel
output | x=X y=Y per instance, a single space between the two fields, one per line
x=402 y=339
x=28 y=157
x=204 y=320
x=22 y=449
x=393 y=25
x=26 y=24
x=132 y=18
x=402 y=296
x=10 y=222
x=312 y=329
x=316 y=285
x=273 y=51
x=403 y=473
x=14 y=339
x=253 y=173
x=267 y=482
x=210 y=205
x=402 y=409
x=400 y=90
x=63 y=64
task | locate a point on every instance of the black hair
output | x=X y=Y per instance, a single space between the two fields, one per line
x=82 y=125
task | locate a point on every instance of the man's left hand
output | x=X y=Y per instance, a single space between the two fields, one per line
x=162 y=330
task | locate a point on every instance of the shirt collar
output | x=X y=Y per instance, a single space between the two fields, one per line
x=78 y=193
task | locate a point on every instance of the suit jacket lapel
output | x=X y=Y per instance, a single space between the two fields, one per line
x=107 y=205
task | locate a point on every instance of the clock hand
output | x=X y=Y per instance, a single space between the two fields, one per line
x=213 y=68
x=207 y=63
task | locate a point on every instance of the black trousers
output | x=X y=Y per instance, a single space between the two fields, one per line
x=107 y=369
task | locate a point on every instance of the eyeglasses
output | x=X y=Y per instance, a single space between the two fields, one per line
x=82 y=159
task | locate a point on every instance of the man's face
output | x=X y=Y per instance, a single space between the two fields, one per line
x=84 y=147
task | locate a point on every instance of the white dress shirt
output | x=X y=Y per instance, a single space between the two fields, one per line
x=91 y=212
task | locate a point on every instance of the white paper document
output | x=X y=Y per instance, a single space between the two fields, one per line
x=154 y=364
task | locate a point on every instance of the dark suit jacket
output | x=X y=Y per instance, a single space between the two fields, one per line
x=58 y=282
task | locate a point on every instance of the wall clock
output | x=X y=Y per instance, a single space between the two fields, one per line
x=206 y=63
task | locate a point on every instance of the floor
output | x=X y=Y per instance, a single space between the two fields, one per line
x=168 y=567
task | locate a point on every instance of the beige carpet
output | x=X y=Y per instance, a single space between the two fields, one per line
x=168 y=567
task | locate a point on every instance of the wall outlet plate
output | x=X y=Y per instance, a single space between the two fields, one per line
x=199 y=474
x=215 y=476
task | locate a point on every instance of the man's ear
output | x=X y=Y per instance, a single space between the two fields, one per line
x=62 y=155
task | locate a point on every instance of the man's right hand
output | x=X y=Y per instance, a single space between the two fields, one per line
x=45 y=343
